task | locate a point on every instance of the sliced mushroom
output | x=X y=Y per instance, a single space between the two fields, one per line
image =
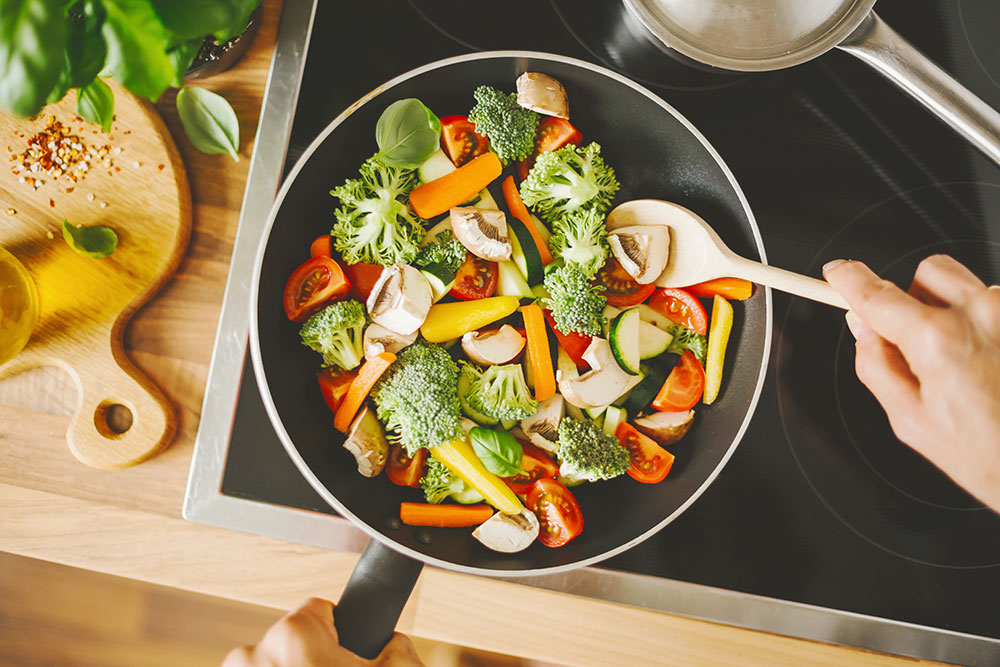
x=508 y=533
x=665 y=427
x=482 y=231
x=605 y=382
x=542 y=428
x=541 y=93
x=642 y=250
x=400 y=299
x=378 y=339
x=495 y=347
x=366 y=441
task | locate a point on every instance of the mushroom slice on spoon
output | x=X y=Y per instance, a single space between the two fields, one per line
x=642 y=250
x=482 y=231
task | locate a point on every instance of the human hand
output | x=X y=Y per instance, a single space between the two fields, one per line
x=306 y=637
x=931 y=356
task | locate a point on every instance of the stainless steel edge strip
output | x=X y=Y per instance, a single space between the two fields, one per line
x=205 y=503
x=225 y=372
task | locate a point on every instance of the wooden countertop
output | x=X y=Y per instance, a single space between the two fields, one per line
x=128 y=522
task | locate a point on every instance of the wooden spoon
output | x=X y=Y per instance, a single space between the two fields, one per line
x=698 y=254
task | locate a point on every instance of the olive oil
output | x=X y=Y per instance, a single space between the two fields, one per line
x=18 y=306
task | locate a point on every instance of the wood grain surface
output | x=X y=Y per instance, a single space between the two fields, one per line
x=135 y=184
x=128 y=522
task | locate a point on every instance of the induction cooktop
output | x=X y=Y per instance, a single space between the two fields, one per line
x=823 y=525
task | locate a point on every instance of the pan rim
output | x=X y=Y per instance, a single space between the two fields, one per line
x=265 y=391
x=829 y=40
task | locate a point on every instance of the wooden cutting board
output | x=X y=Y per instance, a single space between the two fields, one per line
x=135 y=184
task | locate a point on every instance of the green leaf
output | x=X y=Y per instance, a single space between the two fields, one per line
x=407 y=133
x=137 y=47
x=95 y=102
x=499 y=451
x=182 y=56
x=209 y=121
x=241 y=17
x=85 y=50
x=32 y=44
x=94 y=242
x=194 y=18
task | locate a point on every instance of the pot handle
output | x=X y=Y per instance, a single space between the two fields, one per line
x=884 y=49
x=369 y=607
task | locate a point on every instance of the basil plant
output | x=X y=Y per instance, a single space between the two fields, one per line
x=48 y=47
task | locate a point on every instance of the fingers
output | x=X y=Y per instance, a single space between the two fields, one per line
x=399 y=652
x=890 y=311
x=239 y=657
x=940 y=280
x=881 y=367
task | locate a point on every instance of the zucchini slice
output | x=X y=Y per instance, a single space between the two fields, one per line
x=524 y=252
x=623 y=336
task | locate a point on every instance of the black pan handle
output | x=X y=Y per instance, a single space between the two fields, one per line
x=374 y=598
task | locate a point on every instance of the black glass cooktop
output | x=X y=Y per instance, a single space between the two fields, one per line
x=820 y=503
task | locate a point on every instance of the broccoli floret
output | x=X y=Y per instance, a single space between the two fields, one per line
x=509 y=126
x=417 y=397
x=500 y=392
x=438 y=482
x=588 y=453
x=686 y=339
x=374 y=224
x=576 y=305
x=445 y=251
x=580 y=238
x=336 y=333
x=569 y=179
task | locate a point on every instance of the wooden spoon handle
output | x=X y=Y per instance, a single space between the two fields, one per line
x=787 y=281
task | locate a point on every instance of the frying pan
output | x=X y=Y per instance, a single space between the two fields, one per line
x=758 y=35
x=656 y=153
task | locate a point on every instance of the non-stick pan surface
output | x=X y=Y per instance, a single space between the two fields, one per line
x=656 y=153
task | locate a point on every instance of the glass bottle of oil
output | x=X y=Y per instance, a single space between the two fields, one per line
x=18 y=306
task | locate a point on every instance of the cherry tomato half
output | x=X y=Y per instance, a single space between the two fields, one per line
x=333 y=384
x=648 y=462
x=536 y=465
x=574 y=343
x=404 y=470
x=363 y=278
x=681 y=307
x=684 y=385
x=552 y=134
x=557 y=511
x=460 y=141
x=476 y=279
x=321 y=247
x=619 y=288
x=317 y=281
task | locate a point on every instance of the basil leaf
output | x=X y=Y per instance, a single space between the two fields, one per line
x=94 y=242
x=499 y=451
x=137 y=47
x=95 y=102
x=31 y=31
x=86 y=50
x=209 y=121
x=407 y=134
x=243 y=9
x=182 y=56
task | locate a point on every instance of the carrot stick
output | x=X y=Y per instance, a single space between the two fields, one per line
x=728 y=288
x=461 y=185
x=368 y=375
x=520 y=211
x=443 y=516
x=538 y=352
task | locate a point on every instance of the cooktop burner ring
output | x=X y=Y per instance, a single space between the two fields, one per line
x=962 y=8
x=878 y=487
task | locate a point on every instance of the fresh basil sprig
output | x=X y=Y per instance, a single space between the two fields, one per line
x=94 y=242
x=209 y=121
x=407 y=133
x=499 y=451
x=95 y=102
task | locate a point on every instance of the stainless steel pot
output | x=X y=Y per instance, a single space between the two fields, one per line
x=758 y=35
